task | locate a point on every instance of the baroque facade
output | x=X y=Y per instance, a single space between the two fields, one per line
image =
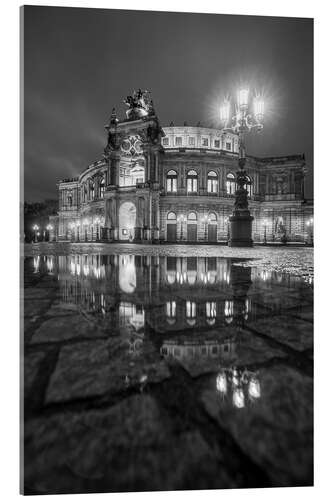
x=177 y=184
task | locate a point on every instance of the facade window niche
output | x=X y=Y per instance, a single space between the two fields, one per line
x=228 y=146
x=165 y=141
x=102 y=187
x=217 y=144
x=172 y=181
x=179 y=141
x=231 y=183
x=212 y=182
x=92 y=190
x=191 y=141
x=205 y=142
x=192 y=181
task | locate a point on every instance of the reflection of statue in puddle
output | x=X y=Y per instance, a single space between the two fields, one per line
x=241 y=386
x=240 y=280
x=131 y=324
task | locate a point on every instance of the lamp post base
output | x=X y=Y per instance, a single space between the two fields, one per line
x=240 y=231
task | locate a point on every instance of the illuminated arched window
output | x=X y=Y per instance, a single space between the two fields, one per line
x=192 y=217
x=248 y=186
x=102 y=187
x=171 y=216
x=172 y=181
x=212 y=182
x=231 y=183
x=192 y=181
x=212 y=217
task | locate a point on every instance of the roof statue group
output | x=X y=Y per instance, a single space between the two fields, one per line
x=140 y=104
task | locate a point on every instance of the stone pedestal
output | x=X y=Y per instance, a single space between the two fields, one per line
x=241 y=230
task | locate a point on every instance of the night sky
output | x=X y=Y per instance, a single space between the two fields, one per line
x=79 y=63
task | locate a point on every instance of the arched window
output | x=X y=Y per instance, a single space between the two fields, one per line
x=192 y=217
x=212 y=182
x=91 y=190
x=231 y=183
x=192 y=181
x=248 y=186
x=172 y=181
x=102 y=187
x=85 y=192
x=172 y=216
x=212 y=217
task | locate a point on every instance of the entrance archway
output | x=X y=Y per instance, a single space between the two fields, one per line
x=127 y=221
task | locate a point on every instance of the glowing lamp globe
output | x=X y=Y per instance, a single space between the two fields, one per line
x=259 y=109
x=243 y=98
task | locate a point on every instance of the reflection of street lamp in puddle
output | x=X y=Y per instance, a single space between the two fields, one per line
x=243 y=386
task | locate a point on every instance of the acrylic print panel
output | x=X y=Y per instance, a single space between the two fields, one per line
x=168 y=251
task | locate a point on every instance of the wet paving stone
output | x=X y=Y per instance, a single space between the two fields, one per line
x=164 y=368
x=287 y=330
x=118 y=449
x=94 y=368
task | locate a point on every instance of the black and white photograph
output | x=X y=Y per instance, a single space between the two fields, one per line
x=167 y=240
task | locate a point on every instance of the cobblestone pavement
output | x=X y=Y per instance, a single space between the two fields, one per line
x=166 y=368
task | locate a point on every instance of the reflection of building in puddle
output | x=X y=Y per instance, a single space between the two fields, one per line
x=200 y=349
x=127 y=273
x=199 y=313
x=240 y=386
x=45 y=263
x=195 y=270
x=131 y=316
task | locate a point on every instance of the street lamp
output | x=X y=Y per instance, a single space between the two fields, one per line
x=85 y=223
x=35 y=228
x=181 y=219
x=265 y=229
x=309 y=224
x=72 y=228
x=206 y=220
x=241 y=123
x=78 y=230
x=97 y=222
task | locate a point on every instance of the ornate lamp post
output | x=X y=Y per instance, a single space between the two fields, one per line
x=97 y=222
x=78 y=230
x=265 y=229
x=241 y=123
x=35 y=228
x=309 y=224
x=85 y=224
x=72 y=228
